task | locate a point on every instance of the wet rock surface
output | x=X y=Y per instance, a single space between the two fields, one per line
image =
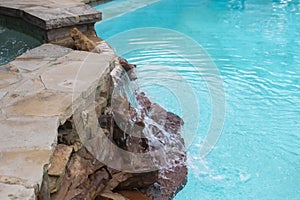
x=85 y=177
x=173 y=177
x=49 y=94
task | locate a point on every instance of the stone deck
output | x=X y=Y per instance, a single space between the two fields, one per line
x=37 y=93
x=48 y=20
x=39 y=89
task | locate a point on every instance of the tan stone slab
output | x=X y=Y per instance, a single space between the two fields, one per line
x=87 y=57
x=29 y=65
x=59 y=160
x=26 y=146
x=29 y=87
x=44 y=104
x=77 y=72
x=39 y=57
x=17 y=88
x=16 y=192
x=63 y=77
x=24 y=167
x=7 y=79
x=46 y=52
x=28 y=133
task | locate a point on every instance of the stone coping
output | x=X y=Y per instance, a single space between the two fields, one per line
x=48 y=18
x=38 y=91
x=51 y=14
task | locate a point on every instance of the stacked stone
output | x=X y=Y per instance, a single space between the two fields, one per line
x=82 y=176
x=45 y=156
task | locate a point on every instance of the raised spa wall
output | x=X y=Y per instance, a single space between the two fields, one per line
x=49 y=21
x=41 y=155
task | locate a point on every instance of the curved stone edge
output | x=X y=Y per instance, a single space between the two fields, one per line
x=35 y=100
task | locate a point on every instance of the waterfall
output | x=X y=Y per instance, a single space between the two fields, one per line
x=146 y=123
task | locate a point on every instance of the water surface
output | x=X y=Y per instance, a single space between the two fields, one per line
x=14 y=43
x=256 y=46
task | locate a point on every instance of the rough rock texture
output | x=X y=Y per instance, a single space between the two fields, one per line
x=172 y=178
x=84 y=177
x=52 y=99
x=38 y=92
x=82 y=42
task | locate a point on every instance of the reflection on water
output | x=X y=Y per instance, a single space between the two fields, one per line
x=256 y=46
x=13 y=43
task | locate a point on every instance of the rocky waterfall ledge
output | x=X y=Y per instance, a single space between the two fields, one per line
x=47 y=95
x=71 y=127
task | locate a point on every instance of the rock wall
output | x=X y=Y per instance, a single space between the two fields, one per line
x=75 y=172
x=54 y=101
x=48 y=21
x=39 y=91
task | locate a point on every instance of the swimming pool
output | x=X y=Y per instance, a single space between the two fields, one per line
x=14 y=43
x=256 y=48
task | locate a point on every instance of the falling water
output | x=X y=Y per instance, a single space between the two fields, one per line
x=165 y=143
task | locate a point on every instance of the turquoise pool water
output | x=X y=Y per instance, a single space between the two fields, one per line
x=13 y=44
x=255 y=45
